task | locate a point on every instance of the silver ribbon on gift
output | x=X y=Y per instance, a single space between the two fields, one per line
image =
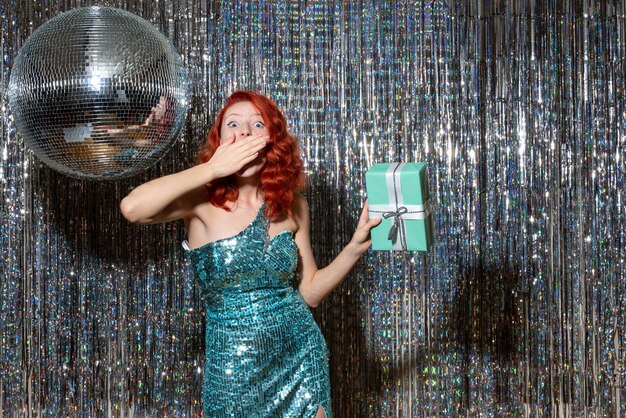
x=396 y=208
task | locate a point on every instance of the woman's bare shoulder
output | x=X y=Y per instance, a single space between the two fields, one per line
x=194 y=197
x=300 y=208
x=195 y=202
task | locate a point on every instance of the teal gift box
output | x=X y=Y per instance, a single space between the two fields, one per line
x=398 y=193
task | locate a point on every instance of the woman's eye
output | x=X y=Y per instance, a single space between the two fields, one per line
x=232 y=124
x=259 y=125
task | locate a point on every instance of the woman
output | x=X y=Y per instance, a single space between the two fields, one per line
x=247 y=238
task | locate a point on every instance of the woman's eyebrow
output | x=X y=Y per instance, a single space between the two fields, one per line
x=238 y=114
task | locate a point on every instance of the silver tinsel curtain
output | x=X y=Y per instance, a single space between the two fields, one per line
x=519 y=108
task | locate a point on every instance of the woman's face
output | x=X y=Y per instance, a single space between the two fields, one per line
x=242 y=120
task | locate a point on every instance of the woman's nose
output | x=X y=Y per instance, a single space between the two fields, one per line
x=245 y=132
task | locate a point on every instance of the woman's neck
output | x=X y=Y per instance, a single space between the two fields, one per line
x=249 y=193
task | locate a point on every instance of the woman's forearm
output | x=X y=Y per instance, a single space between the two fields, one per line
x=316 y=284
x=315 y=289
x=149 y=199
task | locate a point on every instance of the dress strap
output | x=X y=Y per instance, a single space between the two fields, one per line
x=265 y=226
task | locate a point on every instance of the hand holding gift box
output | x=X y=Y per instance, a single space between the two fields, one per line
x=398 y=192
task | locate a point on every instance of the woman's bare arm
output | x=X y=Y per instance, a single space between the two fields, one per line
x=167 y=198
x=316 y=284
x=174 y=196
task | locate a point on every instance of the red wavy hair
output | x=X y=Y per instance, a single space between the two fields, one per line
x=283 y=174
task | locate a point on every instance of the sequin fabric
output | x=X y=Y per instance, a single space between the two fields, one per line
x=265 y=355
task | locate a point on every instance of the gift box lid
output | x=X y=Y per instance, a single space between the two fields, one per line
x=413 y=178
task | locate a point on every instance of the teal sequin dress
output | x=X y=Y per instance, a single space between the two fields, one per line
x=265 y=355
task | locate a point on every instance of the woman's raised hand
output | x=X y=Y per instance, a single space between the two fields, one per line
x=232 y=155
x=361 y=239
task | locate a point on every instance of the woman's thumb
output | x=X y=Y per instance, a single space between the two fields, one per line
x=230 y=139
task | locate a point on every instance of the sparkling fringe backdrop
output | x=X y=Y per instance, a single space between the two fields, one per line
x=519 y=107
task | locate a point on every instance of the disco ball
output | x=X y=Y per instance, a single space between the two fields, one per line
x=98 y=93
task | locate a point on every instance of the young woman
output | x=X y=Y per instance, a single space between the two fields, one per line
x=248 y=238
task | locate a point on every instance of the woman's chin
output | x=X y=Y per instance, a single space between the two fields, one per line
x=251 y=169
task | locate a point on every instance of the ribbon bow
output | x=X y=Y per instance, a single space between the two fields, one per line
x=397 y=214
